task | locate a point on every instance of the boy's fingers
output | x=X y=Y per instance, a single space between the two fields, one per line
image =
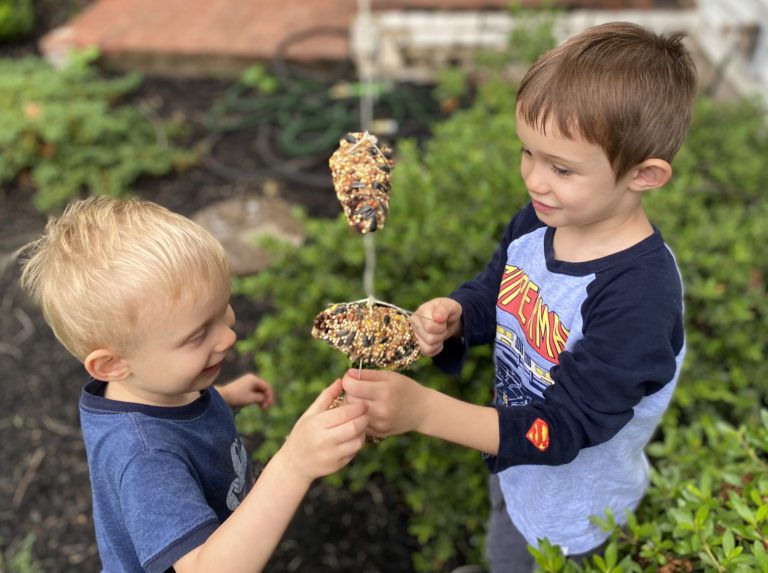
x=368 y=375
x=325 y=398
x=431 y=349
x=430 y=329
x=353 y=428
x=345 y=413
x=266 y=400
x=349 y=449
x=360 y=389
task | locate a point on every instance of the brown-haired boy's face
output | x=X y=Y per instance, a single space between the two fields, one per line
x=571 y=182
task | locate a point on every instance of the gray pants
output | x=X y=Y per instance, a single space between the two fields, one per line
x=506 y=548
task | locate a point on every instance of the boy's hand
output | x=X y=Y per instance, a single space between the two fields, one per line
x=323 y=441
x=436 y=321
x=395 y=402
x=246 y=390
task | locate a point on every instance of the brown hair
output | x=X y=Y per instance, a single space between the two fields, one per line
x=616 y=85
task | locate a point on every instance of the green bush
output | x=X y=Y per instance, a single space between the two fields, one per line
x=67 y=131
x=707 y=508
x=713 y=213
x=467 y=163
x=17 y=18
x=16 y=557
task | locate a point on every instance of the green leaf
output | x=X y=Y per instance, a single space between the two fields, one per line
x=728 y=543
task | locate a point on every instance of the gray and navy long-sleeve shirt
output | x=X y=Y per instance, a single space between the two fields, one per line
x=586 y=359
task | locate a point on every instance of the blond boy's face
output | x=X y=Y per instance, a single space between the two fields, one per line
x=571 y=182
x=180 y=353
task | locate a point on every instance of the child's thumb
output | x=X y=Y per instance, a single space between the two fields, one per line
x=439 y=317
x=452 y=312
x=326 y=398
x=444 y=313
x=440 y=314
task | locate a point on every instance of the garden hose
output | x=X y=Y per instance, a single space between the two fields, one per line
x=305 y=115
x=291 y=72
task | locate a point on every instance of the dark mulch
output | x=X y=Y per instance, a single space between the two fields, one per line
x=44 y=487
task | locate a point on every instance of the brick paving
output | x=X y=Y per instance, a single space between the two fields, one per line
x=172 y=33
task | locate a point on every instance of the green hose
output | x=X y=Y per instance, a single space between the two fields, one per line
x=309 y=115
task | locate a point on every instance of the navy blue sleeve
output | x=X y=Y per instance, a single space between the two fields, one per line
x=633 y=337
x=477 y=297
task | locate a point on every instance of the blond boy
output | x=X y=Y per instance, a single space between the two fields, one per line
x=141 y=296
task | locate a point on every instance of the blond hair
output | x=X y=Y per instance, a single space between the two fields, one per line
x=100 y=263
x=616 y=85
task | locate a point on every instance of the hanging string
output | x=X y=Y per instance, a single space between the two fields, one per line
x=365 y=48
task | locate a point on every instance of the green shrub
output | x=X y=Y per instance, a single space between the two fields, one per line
x=466 y=165
x=67 y=130
x=713 y=215
x=707 y=508
x=16 y=557
x=17 y=19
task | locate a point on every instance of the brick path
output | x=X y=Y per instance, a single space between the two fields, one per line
x=195 y=36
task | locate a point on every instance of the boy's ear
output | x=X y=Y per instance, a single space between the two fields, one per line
x=106 y=365
x=650 y=174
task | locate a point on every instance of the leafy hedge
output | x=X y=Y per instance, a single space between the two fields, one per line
x=17 y=19
x=416 y=259
x=67 y=132
x=707 y=508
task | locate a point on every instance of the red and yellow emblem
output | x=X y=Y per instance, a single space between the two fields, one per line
x=538 y=434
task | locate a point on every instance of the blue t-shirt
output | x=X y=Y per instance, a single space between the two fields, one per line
x=587 y=356
x=163 y=479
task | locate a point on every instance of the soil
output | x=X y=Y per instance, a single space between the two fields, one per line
x=44 y=486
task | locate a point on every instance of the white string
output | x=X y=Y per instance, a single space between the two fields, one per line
x=365 y=70
x=371 y=301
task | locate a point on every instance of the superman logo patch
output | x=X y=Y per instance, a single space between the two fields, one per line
x=538 y=434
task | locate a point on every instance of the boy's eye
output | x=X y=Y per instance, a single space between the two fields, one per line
x=525 y=151
x=562 y=171
x=197 y=338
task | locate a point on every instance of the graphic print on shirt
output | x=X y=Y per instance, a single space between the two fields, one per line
x=522 y=376
x=237 y=488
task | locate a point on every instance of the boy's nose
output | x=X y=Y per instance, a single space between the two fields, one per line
x=535 y=180
x=227 y=340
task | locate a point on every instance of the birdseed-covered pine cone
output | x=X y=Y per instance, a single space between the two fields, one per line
x=361 y=169
x=372 y=335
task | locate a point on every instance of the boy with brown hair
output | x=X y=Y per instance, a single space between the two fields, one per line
x=140 y=295
x=582 y=300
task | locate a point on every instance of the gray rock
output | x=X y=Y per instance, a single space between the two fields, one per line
x=240 y=222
